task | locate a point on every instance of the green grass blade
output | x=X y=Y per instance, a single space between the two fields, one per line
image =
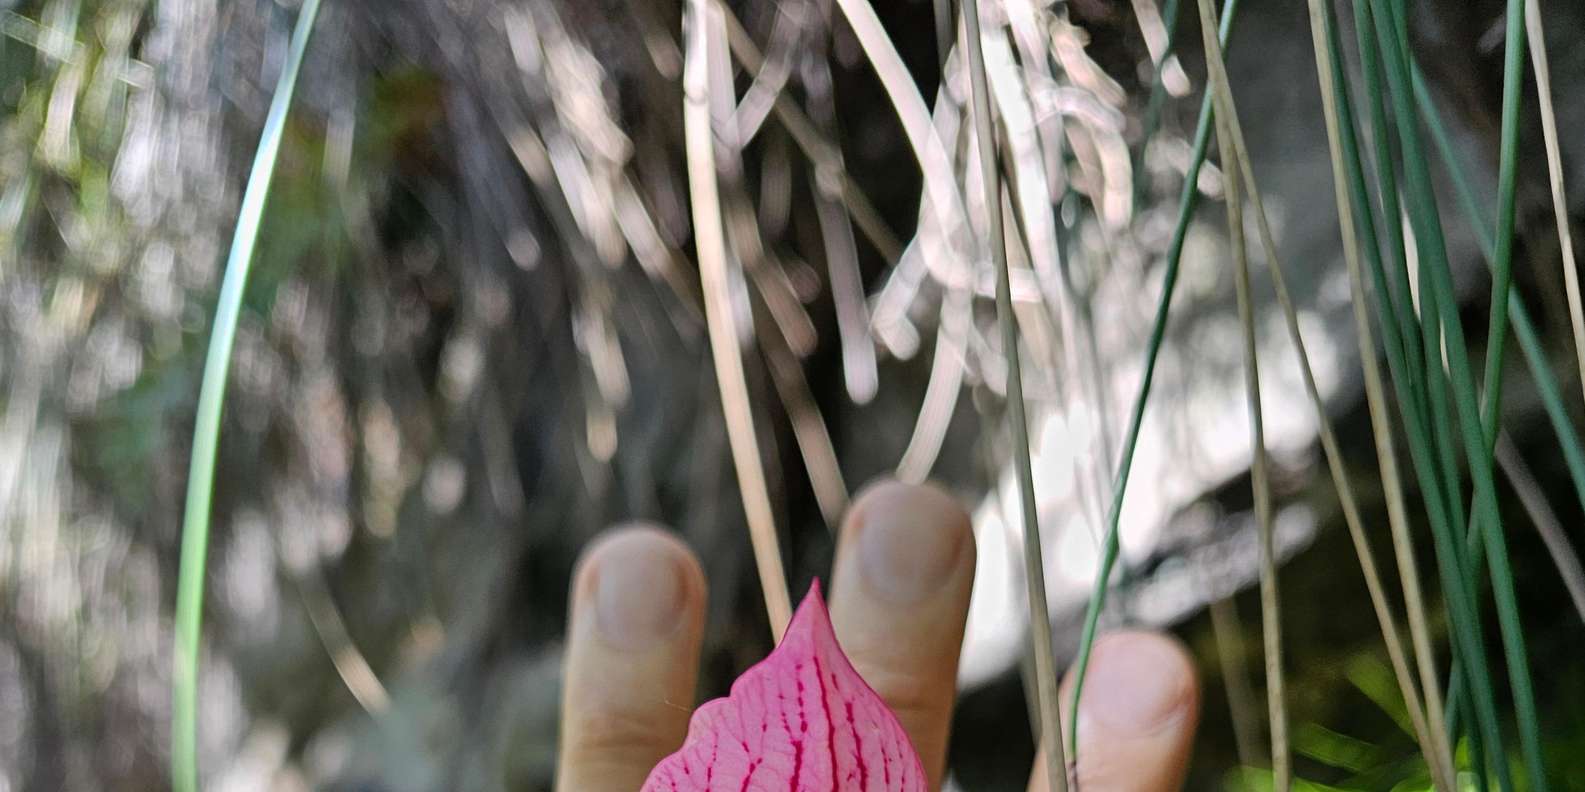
x=1470 y=422
x=1158 y=331
x=1499 y=249
x=1400 y=328
x=1400 y=333
x=1530 y=345
x=1507 y=186
x=1440 y=493
x=1541 y=370
x=1502 y=281
x=211 y=402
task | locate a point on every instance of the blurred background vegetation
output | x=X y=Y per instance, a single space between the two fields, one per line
x=473 y=338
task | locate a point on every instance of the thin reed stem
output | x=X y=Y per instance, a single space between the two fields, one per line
x=1536 y=28
x=1270 y=606
x=1110 y=547
x=1533 y=497
x=1228 y=631
x=1050 y=724
x=709 y=238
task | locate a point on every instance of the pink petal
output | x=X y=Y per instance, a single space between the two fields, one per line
x=801 y=721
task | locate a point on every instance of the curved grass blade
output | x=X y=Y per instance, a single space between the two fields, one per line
x=935 y=165
x=1050 y=723
x=1158 y=330
x=822 y=153
x=211 y=403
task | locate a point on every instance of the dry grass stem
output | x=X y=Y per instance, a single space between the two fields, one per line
x=1049 y=726
x=1271 y=616
x=1536 y=28
x=710 y=239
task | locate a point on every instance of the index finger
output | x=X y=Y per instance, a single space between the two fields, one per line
x=632 y=660
x=899 y=599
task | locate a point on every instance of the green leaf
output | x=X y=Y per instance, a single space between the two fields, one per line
x=211 y=403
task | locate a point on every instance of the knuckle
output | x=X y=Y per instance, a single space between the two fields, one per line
x=605 y=735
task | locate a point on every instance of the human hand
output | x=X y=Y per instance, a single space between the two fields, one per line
x=900 y=594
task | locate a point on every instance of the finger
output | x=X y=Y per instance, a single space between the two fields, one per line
x=1137 y=717
x=632 y=659
x=905 y=564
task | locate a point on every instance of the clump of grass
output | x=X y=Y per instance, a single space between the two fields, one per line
x=1431 y=732
x=211 y=404
x=1423 y=383
x=1437 y=398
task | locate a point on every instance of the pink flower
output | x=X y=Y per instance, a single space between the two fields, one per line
x=802 y=720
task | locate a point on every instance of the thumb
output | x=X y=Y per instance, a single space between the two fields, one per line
x=1137 y=717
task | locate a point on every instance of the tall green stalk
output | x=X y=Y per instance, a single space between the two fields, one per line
x=1158 y=330
x=1507 y=185
x=211 y=403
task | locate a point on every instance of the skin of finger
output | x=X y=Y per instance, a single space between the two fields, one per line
x=903 y=628
x=625 y=708
x=1154 y=758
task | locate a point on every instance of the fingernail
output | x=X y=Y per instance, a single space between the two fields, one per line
x=639 y=590
x=910 y=541
x=1138 y=683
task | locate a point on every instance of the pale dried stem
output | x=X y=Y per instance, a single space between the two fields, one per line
x=710 y=240
x=1050 y=722
x=1271 y=617
x=1533 y=498
x=1536 y=30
